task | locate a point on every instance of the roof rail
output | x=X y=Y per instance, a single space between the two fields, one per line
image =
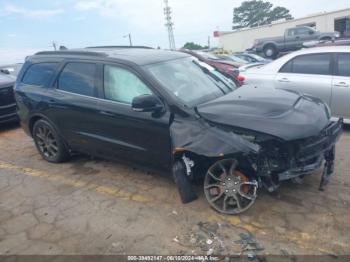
x=72 y=52
x=119 y=47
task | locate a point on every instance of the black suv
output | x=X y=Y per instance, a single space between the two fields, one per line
x=168 y=111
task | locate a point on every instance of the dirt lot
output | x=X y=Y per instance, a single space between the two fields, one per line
x=89 y=206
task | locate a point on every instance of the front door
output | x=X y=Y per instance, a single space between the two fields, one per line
x=141 y=137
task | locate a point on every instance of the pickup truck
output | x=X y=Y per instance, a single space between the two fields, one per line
x=293 y=39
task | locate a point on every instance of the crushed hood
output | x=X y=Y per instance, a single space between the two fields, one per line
x=284 y=114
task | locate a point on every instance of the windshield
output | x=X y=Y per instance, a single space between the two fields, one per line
x=191 y=81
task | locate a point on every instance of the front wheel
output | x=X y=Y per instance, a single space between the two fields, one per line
x=49 y=144
x=227 y=189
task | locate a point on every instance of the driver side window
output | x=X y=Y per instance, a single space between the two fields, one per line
x=121 y=85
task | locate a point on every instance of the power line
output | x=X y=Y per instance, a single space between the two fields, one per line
x=169 y=25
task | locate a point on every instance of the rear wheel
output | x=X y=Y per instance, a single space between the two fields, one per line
x=49 y=144
x=227 y=189
x=270 y=51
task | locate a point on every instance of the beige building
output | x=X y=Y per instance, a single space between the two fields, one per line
x=240 y=40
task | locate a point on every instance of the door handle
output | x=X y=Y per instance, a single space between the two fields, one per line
x=107 y=113
x=284 y=80
x=341 y=84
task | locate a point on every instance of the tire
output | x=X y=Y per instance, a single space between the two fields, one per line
x=270 y=51
x=184 y=185
x=49 y=143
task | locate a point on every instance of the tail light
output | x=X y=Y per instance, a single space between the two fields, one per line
x=240 y=78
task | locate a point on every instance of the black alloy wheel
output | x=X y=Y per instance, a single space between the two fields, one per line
x=48 y=142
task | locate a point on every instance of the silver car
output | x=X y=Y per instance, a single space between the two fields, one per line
x=323 y=72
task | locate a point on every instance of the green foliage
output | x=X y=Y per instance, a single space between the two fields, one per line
x=257 y=12
x=193 y=46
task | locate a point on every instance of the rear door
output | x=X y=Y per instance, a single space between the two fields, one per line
x=141 y=137
x=72 y=104
x=310 y=74
x=341 y=87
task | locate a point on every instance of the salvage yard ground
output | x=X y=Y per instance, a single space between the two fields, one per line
x=90 y=206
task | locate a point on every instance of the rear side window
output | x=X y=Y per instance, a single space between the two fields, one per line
x=39 y=74
x=78 y=78
x=343 y=65
x=315 y=64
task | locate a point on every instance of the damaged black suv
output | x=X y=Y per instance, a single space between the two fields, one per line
x=168 y=111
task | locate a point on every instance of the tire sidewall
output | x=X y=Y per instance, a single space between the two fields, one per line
x=62 y=152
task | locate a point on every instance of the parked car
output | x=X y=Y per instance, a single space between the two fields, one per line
x=10 y=70
x=323 y=72
x=253 y=58
x=228 y=68
x=239 y=61
x=292 y=39
x=168 y=111
x=7 y=100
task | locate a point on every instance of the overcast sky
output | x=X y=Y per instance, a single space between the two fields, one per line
x=28 y=26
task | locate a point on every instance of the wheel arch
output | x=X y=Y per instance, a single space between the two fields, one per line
x=35 y=118
x=202 y=163
x=269 y=44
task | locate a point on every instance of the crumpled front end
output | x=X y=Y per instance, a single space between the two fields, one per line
x=294 y=159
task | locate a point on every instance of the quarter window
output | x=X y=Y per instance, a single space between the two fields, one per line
x=316 y=64
x=78 y=78
x=122 y=86
x=343 y=65
x=39 y=74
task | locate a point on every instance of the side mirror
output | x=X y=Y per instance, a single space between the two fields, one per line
x=147 y=103
x=311 y=32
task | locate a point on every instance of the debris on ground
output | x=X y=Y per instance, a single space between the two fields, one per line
x=203 y=237
x=210 y=238
x=249 y=245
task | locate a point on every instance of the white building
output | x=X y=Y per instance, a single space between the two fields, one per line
x=240 y=40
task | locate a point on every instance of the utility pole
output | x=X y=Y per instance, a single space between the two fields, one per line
x=128 y=35
x=54 y=45
x=169 y=25
x=209 y=41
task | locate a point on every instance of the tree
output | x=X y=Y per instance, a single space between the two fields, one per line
x=257 y=12
x=193 y=46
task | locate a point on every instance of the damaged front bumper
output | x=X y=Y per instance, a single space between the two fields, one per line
x=312 y=153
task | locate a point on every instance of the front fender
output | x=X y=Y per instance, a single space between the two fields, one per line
x=200 y=138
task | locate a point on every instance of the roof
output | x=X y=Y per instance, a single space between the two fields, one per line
x=324 y=49
x=139 y=56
